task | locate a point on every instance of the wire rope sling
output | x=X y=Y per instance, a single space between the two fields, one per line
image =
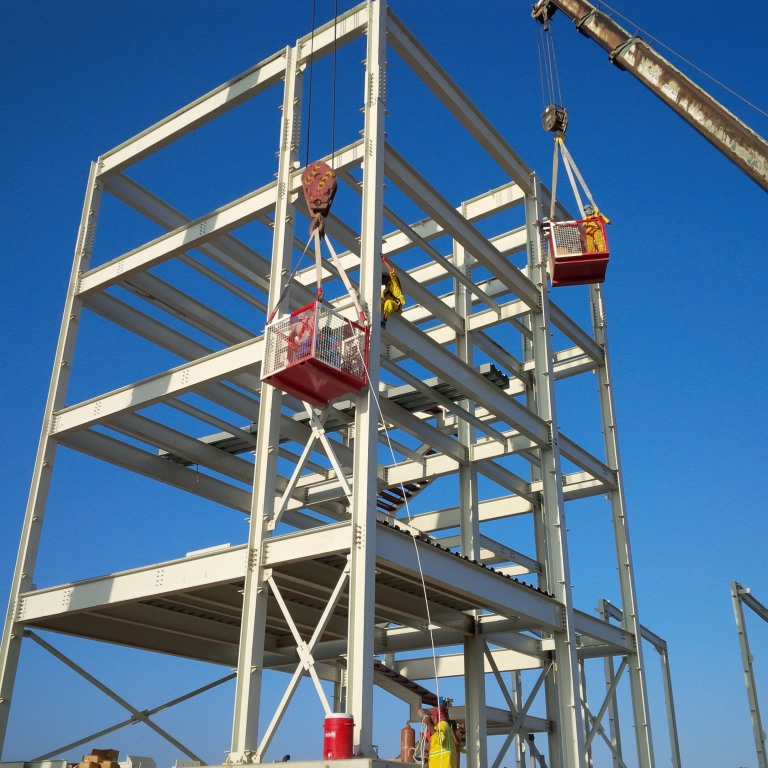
x=315 y=353
x=577 y=249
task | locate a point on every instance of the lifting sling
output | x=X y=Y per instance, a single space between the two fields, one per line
x=315 y=353
x=578 y=250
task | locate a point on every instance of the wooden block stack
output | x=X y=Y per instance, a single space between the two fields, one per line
x=100 y=758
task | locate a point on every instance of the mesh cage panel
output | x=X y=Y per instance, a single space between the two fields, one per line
x=586 y=236
x=316 y=332
x=567 y=237
x=288 y=340
x=341 y=344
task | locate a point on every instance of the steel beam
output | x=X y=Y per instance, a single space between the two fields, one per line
x=184 y=238
x=23 y=573
x=430 y=72
x=430 y=201
x=156 y=389
x=142 y=462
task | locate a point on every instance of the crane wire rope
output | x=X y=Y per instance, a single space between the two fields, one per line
x=706 y=74
x=333 y=80
x=309 y=130
x=548 y=71
x=540 y=58
x=309 y=89
x=333 y=112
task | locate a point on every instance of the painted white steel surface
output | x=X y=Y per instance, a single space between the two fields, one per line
x=182 y=575
x=329 y=477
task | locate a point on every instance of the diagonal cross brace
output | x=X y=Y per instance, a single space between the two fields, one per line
x=316 y=422
x=133 y=719
x=306 y=662
x=112 y=695
x=596 y=727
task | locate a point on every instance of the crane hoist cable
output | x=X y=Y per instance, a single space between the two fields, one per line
x=554 y=118
x=578 y=250
x=309 y=88
x=319 y=186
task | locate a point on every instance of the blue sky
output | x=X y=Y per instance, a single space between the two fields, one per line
x=685 y=291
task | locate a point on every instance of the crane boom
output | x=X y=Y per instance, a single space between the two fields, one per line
x=736 y=140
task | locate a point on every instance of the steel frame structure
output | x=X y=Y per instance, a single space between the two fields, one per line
x=336 y=570
x=741 y=596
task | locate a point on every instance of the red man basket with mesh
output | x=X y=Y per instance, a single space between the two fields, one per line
x=315 y=354
x=578 y=251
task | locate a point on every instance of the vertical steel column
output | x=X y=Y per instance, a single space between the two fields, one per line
x=674 y=742
x=517 y=697
x=10 y=647
x=737 y=591
x=630 y=620
x=566 y=668
x=537 y=514
x=474 y=646
x=362 y=580
x=245 y=722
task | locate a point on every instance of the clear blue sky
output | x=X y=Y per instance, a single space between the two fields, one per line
x=686 y=296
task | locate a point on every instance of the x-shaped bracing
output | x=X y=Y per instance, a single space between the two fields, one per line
x=304 y=649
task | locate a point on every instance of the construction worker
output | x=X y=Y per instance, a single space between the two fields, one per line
x=392 y=298
x=443 y=749
x=593 y=230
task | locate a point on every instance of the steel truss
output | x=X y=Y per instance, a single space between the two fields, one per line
x=337 y=569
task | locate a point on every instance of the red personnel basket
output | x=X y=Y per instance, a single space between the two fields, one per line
x=315 y=354
x=578 y=251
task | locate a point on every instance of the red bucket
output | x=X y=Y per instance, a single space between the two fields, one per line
x=338 y=730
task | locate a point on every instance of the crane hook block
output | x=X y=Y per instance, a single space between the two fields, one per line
x=554 y=119
x=319 y=184
x=543 y=11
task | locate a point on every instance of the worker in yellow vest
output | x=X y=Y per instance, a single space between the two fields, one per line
x=593 y=230
x=392 y=298
x=443 y=749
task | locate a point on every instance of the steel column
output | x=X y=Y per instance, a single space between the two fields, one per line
x=558 y=578
x=46 y=451
x=630 y=620
x=739 y=595
x=250 y=663
x=474 y=645
x=364 y=489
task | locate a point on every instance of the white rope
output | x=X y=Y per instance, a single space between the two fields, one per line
x=318 y=263
x=382 y=421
